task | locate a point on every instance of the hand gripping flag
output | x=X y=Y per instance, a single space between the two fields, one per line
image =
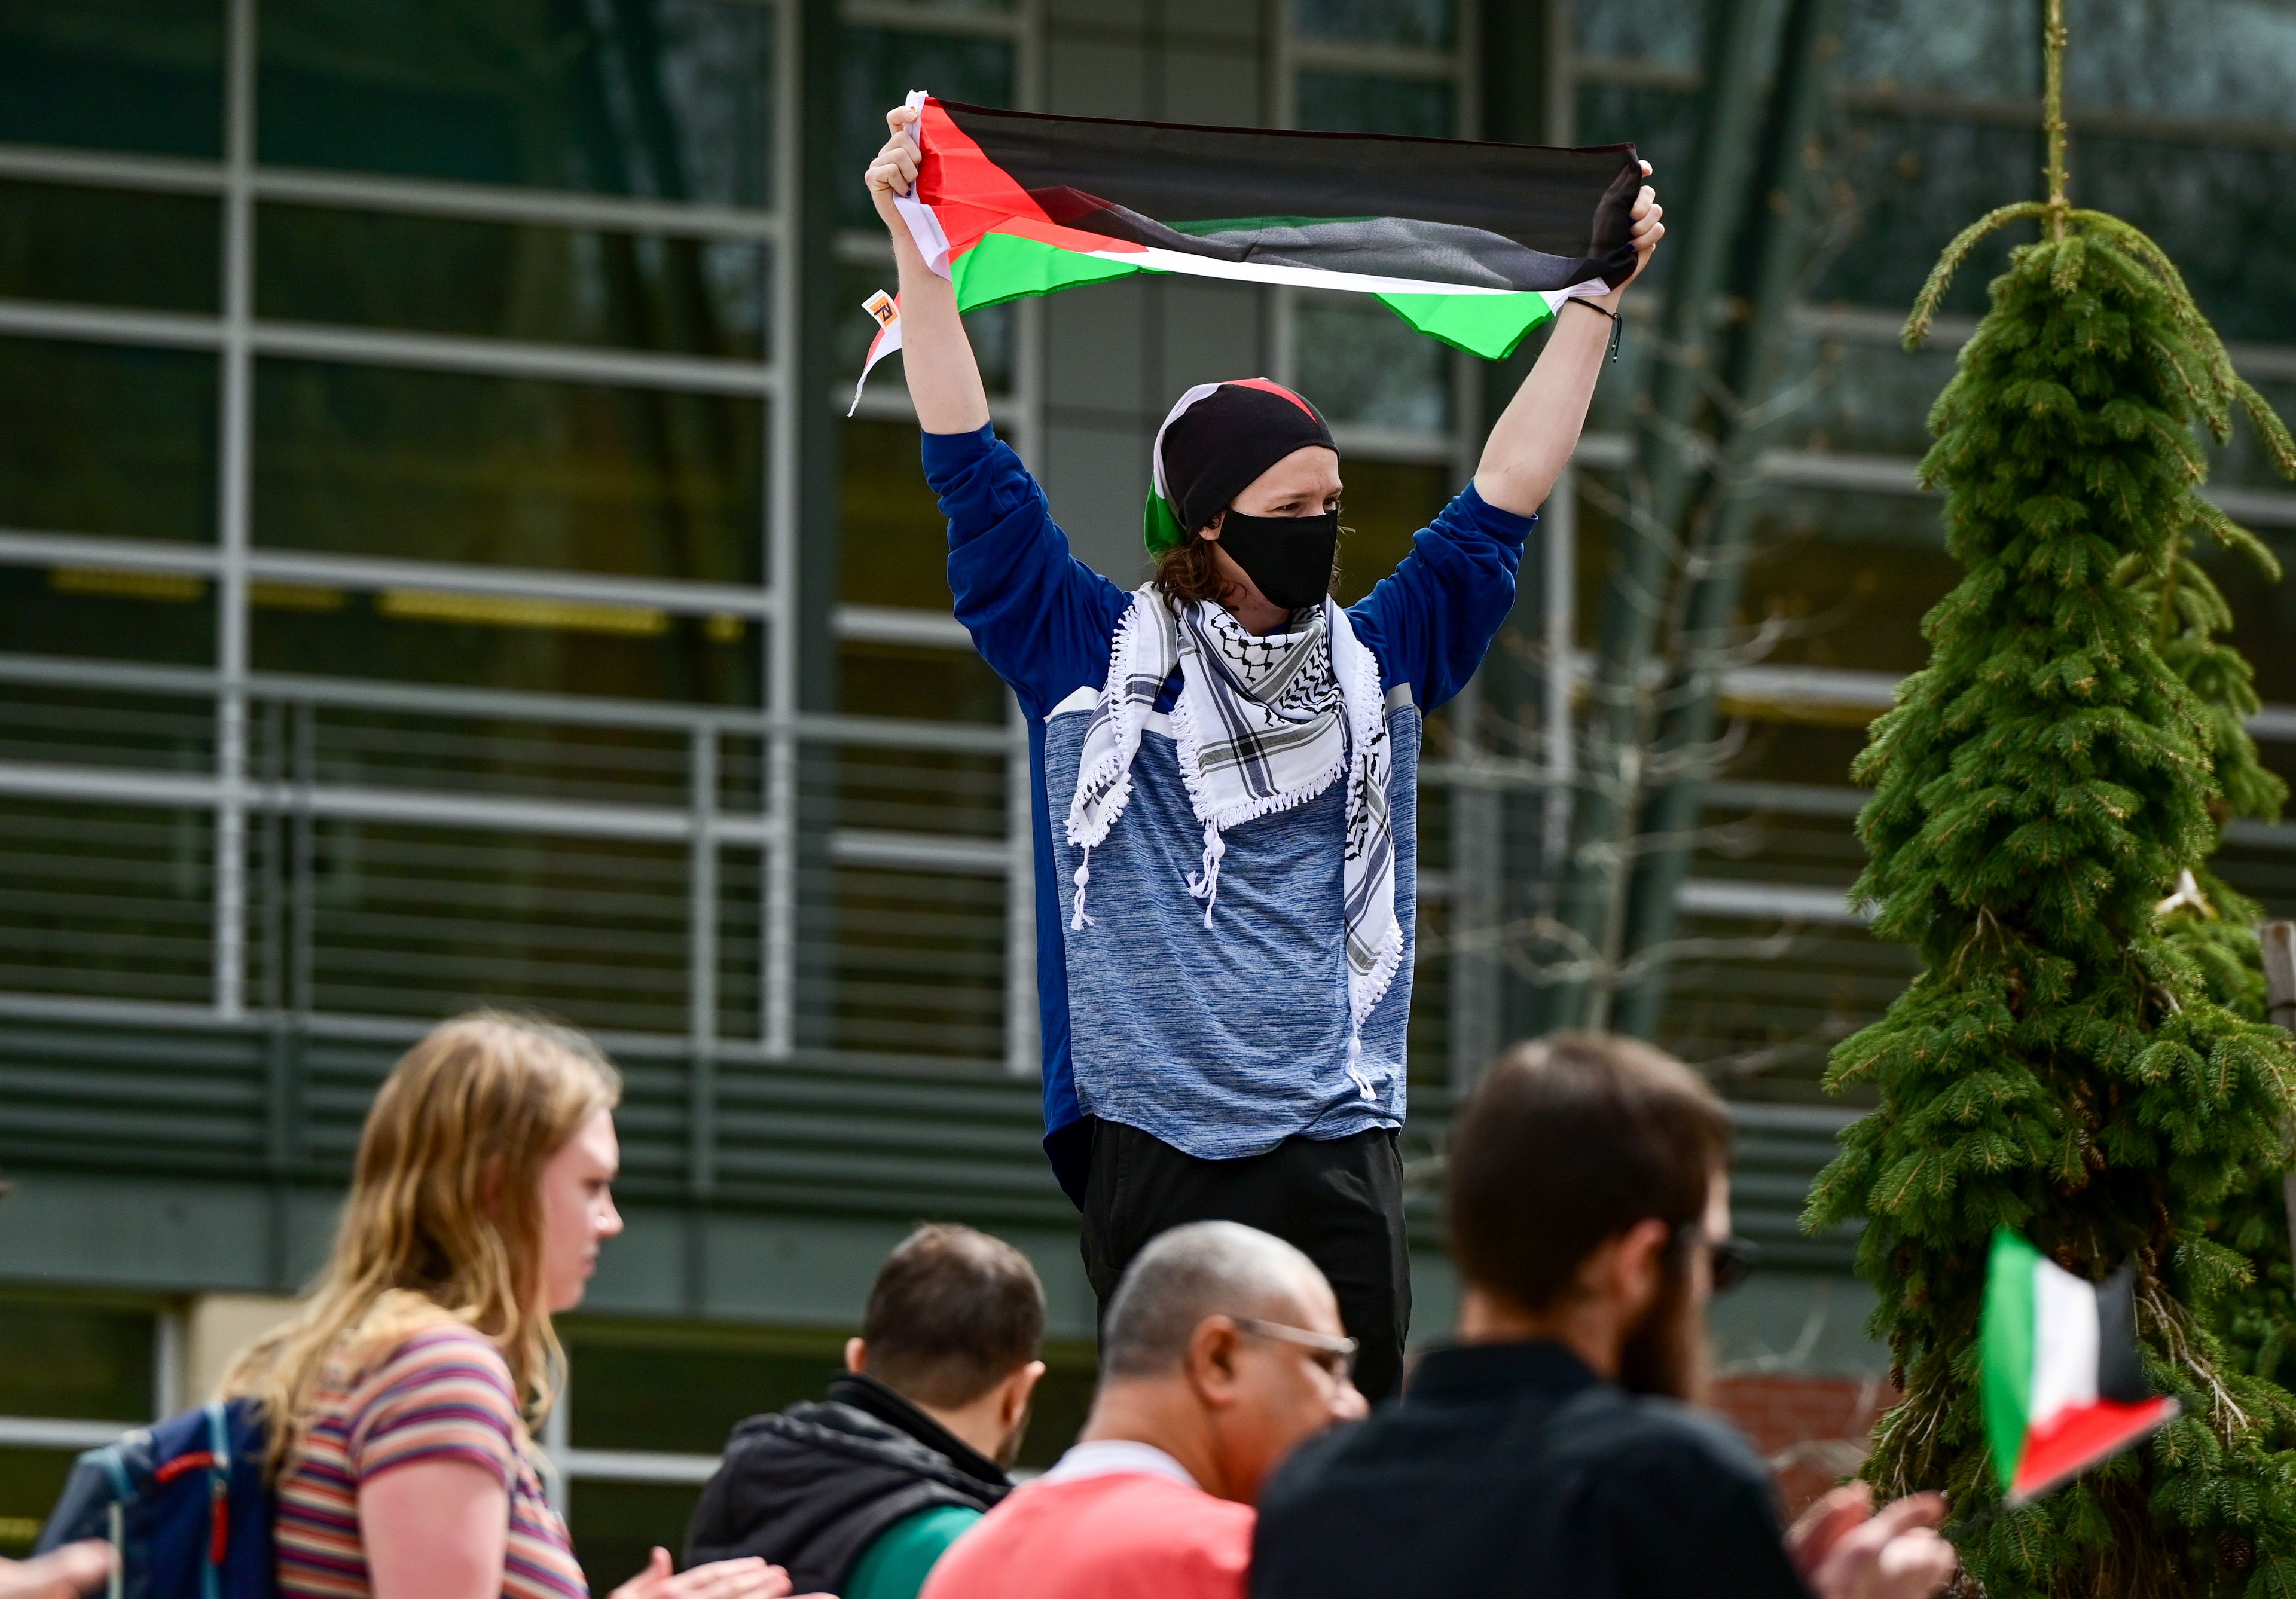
x=1473 y=243
x=2059 y=1377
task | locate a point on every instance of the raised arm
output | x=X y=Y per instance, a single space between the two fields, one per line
x=936 y=356
x=1533 y=439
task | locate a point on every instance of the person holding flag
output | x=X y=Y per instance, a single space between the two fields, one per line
x=1225 y=760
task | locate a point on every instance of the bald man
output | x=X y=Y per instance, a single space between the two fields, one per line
x=1222 y=1351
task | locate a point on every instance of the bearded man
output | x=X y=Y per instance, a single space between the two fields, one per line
x=1224 y=794
x=1556 y=1448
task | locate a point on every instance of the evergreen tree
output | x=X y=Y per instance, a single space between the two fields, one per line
x=2061 y=1066
x=2216 y=927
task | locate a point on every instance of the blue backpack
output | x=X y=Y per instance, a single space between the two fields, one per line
x=185 y=1503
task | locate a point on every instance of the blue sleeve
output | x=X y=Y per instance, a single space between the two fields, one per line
x=1429 y=622
x=1040 y=618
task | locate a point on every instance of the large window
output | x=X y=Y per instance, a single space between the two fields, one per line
x=396 y=522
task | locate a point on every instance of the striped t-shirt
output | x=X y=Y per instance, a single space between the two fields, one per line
x=443 y=1394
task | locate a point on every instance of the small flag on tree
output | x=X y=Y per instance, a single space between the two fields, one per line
x=2062 y=1389
x=1472 y=243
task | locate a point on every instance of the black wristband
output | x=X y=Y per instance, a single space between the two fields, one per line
x=1617 y=327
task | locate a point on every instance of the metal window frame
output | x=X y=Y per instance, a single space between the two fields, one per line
x=233 y=563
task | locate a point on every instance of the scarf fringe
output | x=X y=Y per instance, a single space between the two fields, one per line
x=1115 y=767
x=1367 y=716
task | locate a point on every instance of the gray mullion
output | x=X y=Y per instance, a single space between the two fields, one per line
x=238 y=332
x=232 y=533
x=901 y=624
x=102 y=324
x=901 y=18
x=482 y=202
x=701 y=967
x=1021 y=1057
x=778 y=753
x=684 y=597
x=1730 y=898
x=891 y=733
x=1364 y=442
x=1385 y=60
x=158 y=174
x=512 y=357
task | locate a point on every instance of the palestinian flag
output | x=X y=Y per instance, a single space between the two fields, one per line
x=1473 y=243
x=2059 y=1375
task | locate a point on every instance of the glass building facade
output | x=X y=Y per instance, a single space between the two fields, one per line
x=436 y=569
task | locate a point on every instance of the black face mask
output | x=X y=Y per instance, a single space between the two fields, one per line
x=1289 y=557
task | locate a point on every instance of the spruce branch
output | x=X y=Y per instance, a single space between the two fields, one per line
x=1925 y=304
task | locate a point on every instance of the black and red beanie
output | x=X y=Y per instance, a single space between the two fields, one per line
x=1215 y=440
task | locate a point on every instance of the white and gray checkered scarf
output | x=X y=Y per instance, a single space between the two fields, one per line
x=1262 y=723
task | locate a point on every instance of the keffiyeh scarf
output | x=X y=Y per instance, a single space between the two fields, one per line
x=1262 y=724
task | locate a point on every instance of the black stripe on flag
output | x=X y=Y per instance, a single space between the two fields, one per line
x=2120 y=1374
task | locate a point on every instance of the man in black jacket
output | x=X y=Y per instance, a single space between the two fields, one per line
x=857 y=1495
x=1552 y=1451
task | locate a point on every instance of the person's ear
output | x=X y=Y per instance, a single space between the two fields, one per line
x=1018 y=1388
x=857 y=1356
x=1638 y=1263
x=1212 y=1350
x=490 y=1187
x=1211 y=530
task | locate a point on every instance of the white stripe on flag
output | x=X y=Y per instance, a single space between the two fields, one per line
x=2065 y=1342
x=1154 y=258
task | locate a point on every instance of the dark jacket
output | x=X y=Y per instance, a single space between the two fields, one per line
x=811 y=1487
x=1512 y=1470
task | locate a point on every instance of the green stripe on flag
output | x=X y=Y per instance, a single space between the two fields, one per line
x=1002 y=266
x=2005 y=1341
x=1489 y=325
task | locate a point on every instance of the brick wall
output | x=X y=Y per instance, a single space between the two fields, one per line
x=1812 y=1430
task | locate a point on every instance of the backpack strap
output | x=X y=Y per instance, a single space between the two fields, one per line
x=218 y=1500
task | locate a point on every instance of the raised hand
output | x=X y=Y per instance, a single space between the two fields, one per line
x=1644 y=229
x=893 y=170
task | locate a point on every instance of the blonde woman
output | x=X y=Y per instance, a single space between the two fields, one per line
x=400 y=1398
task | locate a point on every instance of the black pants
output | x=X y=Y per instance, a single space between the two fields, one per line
x=1339 y=1201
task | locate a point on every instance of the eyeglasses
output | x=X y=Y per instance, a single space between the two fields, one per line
x=1731 y=1258
x=1336 y=1355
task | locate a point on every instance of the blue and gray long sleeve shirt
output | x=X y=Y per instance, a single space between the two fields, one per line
x=1220 y=1041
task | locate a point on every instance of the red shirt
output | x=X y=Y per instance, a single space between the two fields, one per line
x=1113 y=1520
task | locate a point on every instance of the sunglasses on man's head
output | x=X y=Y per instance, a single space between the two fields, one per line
x=1731 y=1257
